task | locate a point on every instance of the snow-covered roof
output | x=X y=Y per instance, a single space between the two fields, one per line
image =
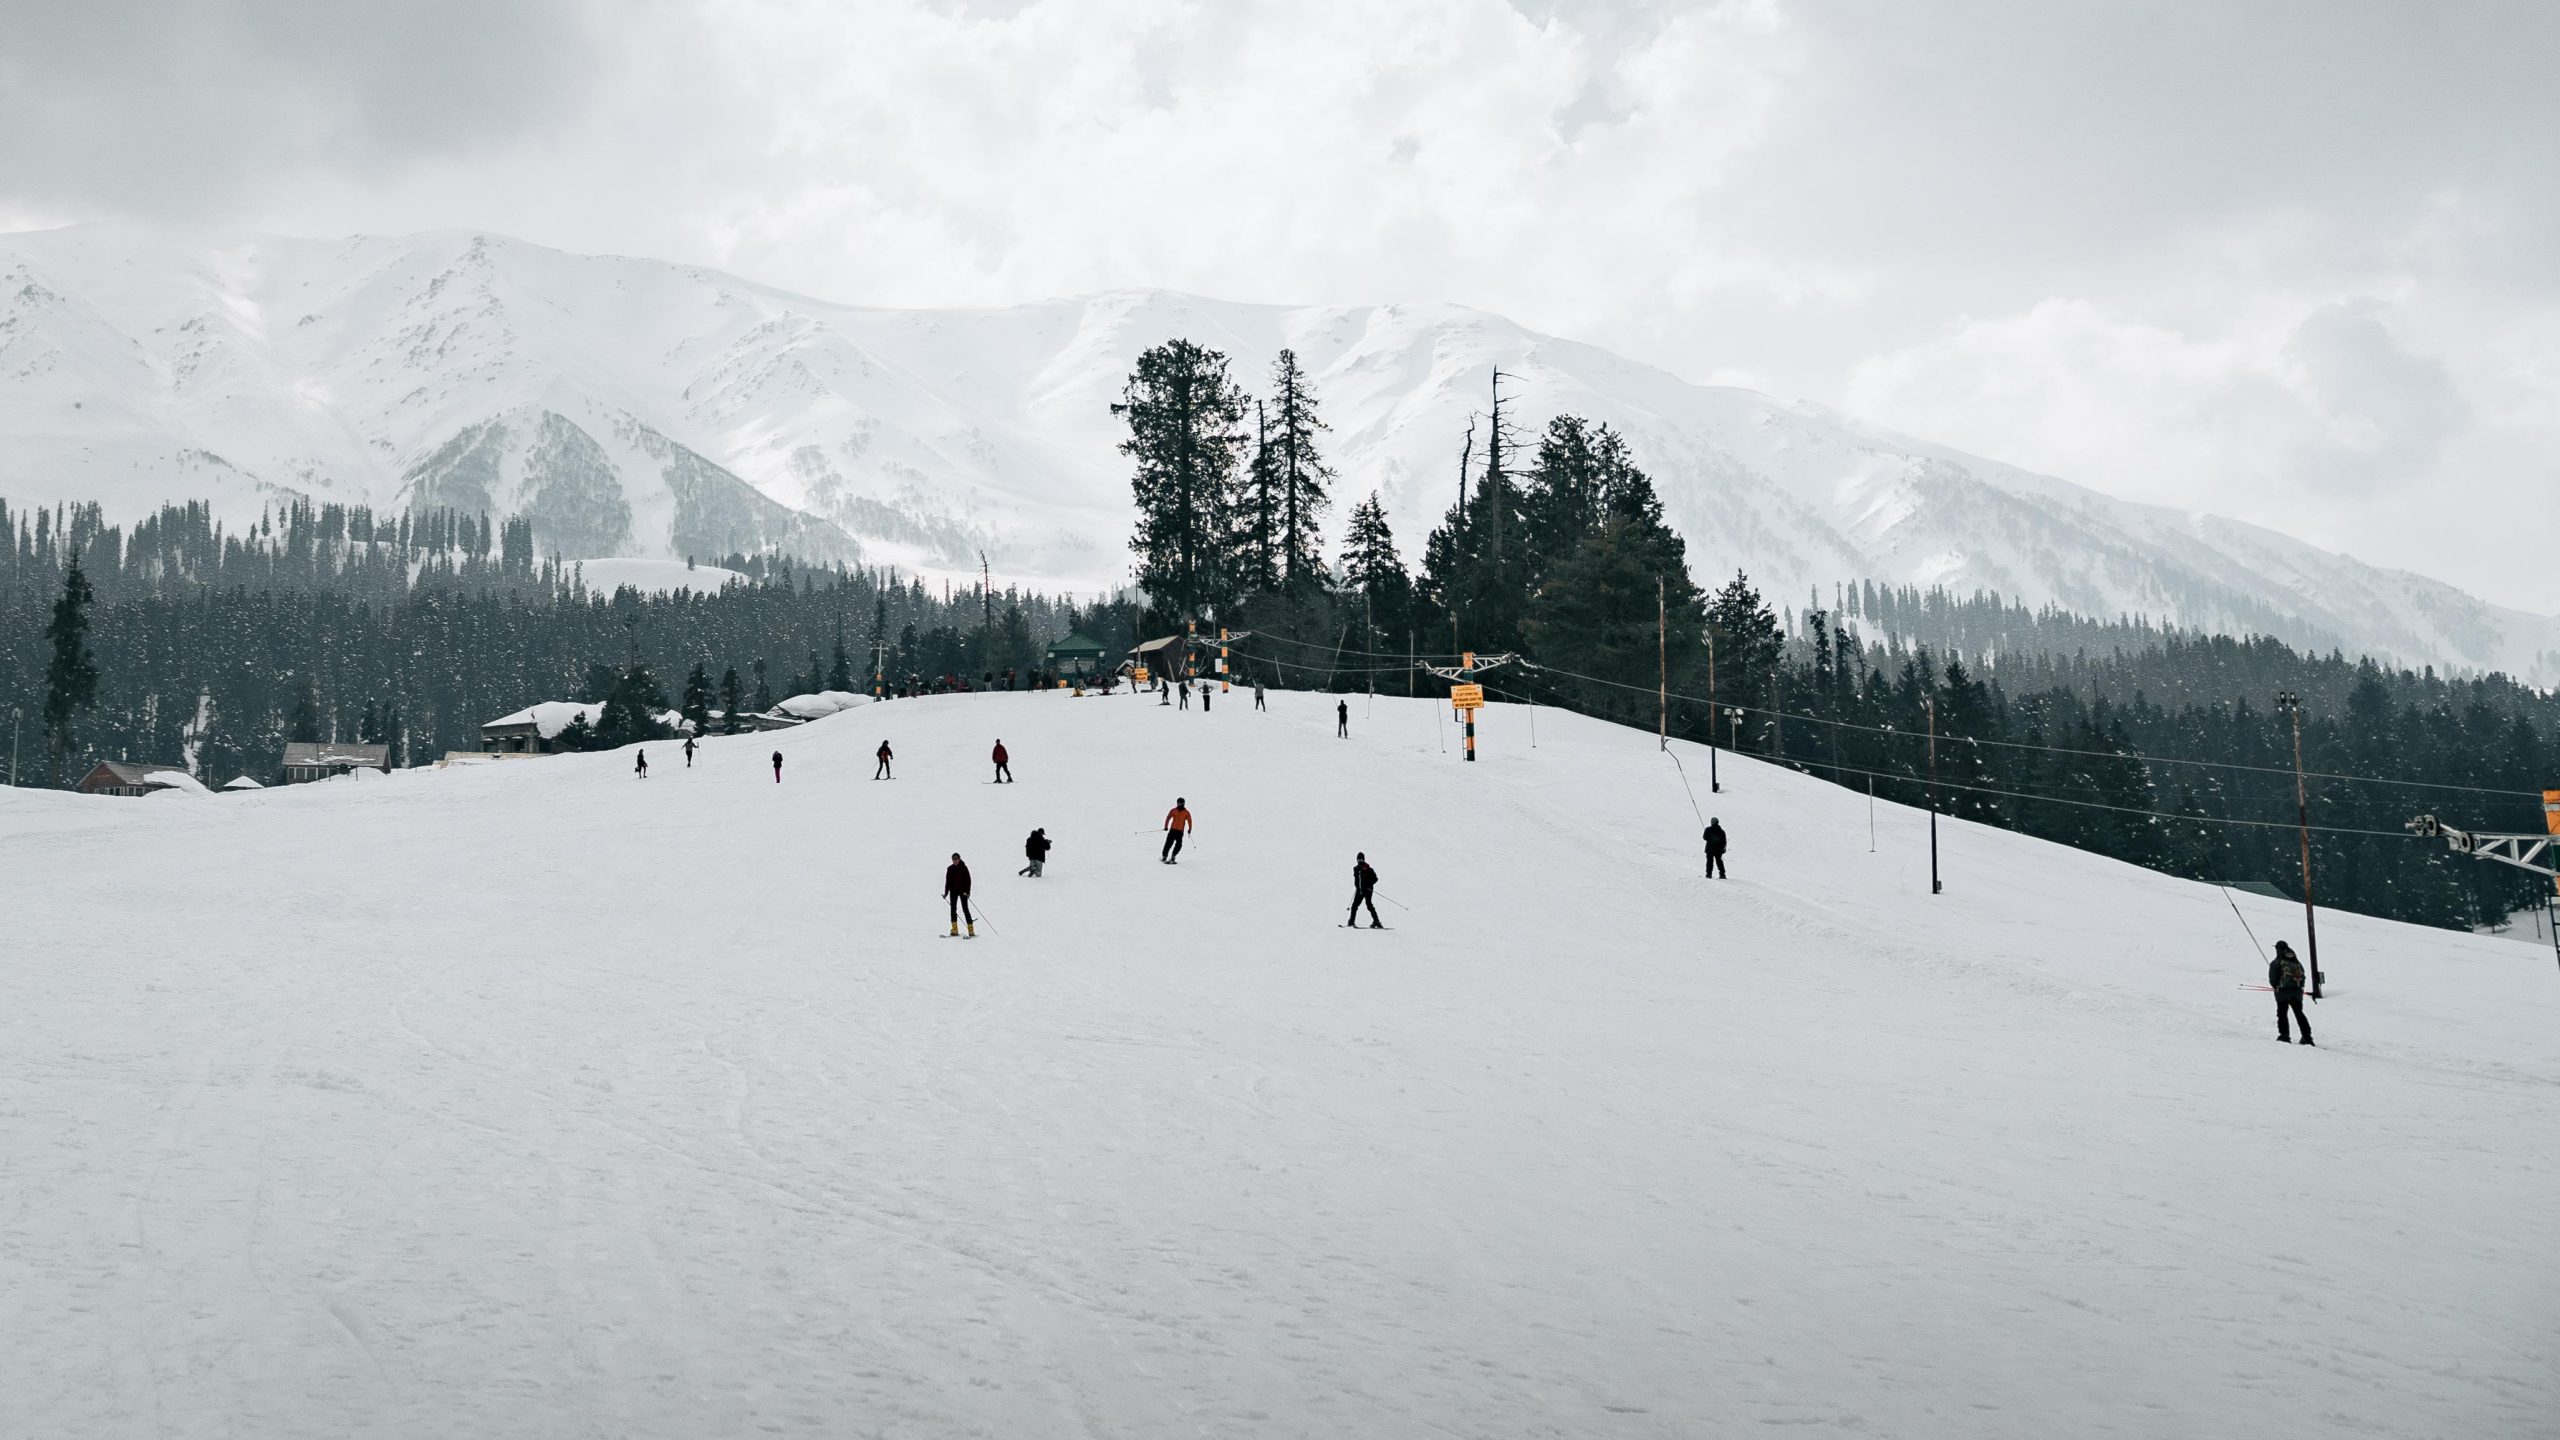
x=170 y=779
x=331 y=752
x=242 y=782
x=819 y=705
x=551 y=717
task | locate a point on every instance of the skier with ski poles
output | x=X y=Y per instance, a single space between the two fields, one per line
x=688 y=752
x=1257 y=696
x=1004 y=765
x=881 y=770
x=1364 y=891
x=1177 y=824
x=2284 y=976
x=955 y=888
x=1036 y=850
x=1715 y=848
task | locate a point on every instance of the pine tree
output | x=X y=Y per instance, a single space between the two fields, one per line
x=1184 y=416
x=730 y=700
x=840 y=673
x=304 y=728
x=697 y=699
x=1260 y=513
x=1746 y=638
x=71 y=681
x=1299 y=469
x=1377 y=576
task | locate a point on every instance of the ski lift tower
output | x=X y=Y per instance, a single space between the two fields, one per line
x=1464 y=692
x=2537 y=853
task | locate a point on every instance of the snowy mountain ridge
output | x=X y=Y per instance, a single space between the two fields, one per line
x=648 y=409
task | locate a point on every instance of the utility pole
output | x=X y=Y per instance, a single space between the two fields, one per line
x=1662 y=668
x=1733 y=718
x=1934 y=882
x=1713 y=785
x=2290 y=704
x=1777 y=721
x=14 y=713
x=1369 y=640
x=1223 y=687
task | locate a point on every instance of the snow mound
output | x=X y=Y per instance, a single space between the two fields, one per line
x=662 y=1108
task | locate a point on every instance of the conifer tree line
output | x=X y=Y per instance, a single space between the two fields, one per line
x=211 y=649
x=1554 y=547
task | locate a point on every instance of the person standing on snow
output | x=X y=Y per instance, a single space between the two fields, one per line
x=1715 y=848
x=1035 y=850
x=1177 y=823
x=881 y=770
x=1004 y=765
x=688 y=752
x=1342 y=719
x=1364 y=891
x=955 y=888
x=1186 y=696
x=1257 y=696
x=2284 y=976
x=1206 y=690
x=641 y=768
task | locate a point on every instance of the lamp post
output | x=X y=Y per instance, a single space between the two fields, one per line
x=14 y=713
x=1733 y=717
x=2289 y=704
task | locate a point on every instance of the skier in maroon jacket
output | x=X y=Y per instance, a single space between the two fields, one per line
x=1004 y=765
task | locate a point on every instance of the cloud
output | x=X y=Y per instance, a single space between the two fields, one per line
x=130 y=107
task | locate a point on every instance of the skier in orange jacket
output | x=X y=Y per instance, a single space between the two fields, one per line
x=1177 y=823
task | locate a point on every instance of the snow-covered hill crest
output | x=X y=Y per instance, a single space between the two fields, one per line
x=641 y=408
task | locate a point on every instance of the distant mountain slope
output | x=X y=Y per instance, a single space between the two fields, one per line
x=635 y=407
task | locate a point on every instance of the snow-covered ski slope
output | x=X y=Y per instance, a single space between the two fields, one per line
x=531 y=1099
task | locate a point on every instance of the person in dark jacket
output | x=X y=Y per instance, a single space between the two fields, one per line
x=688 y=752
x=1364 y=891
x=777 y=767
x=1004 y=765
x=1035 y=850
x=1186 y=696
x=1257 y=696
x=881 y=770
x=640 y=766
x=1342 y=719
x=2284 y=976
x=955 y=888
x=1715 y=848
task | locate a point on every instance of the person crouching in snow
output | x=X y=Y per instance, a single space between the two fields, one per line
x=955 y=888
x=1035 y=850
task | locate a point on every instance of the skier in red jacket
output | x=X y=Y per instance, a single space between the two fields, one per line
x=1004 y=765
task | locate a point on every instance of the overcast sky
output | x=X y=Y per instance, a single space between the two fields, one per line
x=2297 y=263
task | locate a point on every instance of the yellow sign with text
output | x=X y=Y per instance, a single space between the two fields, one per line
x=1467 y=697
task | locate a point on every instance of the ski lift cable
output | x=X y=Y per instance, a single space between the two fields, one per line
x=2047 y=749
